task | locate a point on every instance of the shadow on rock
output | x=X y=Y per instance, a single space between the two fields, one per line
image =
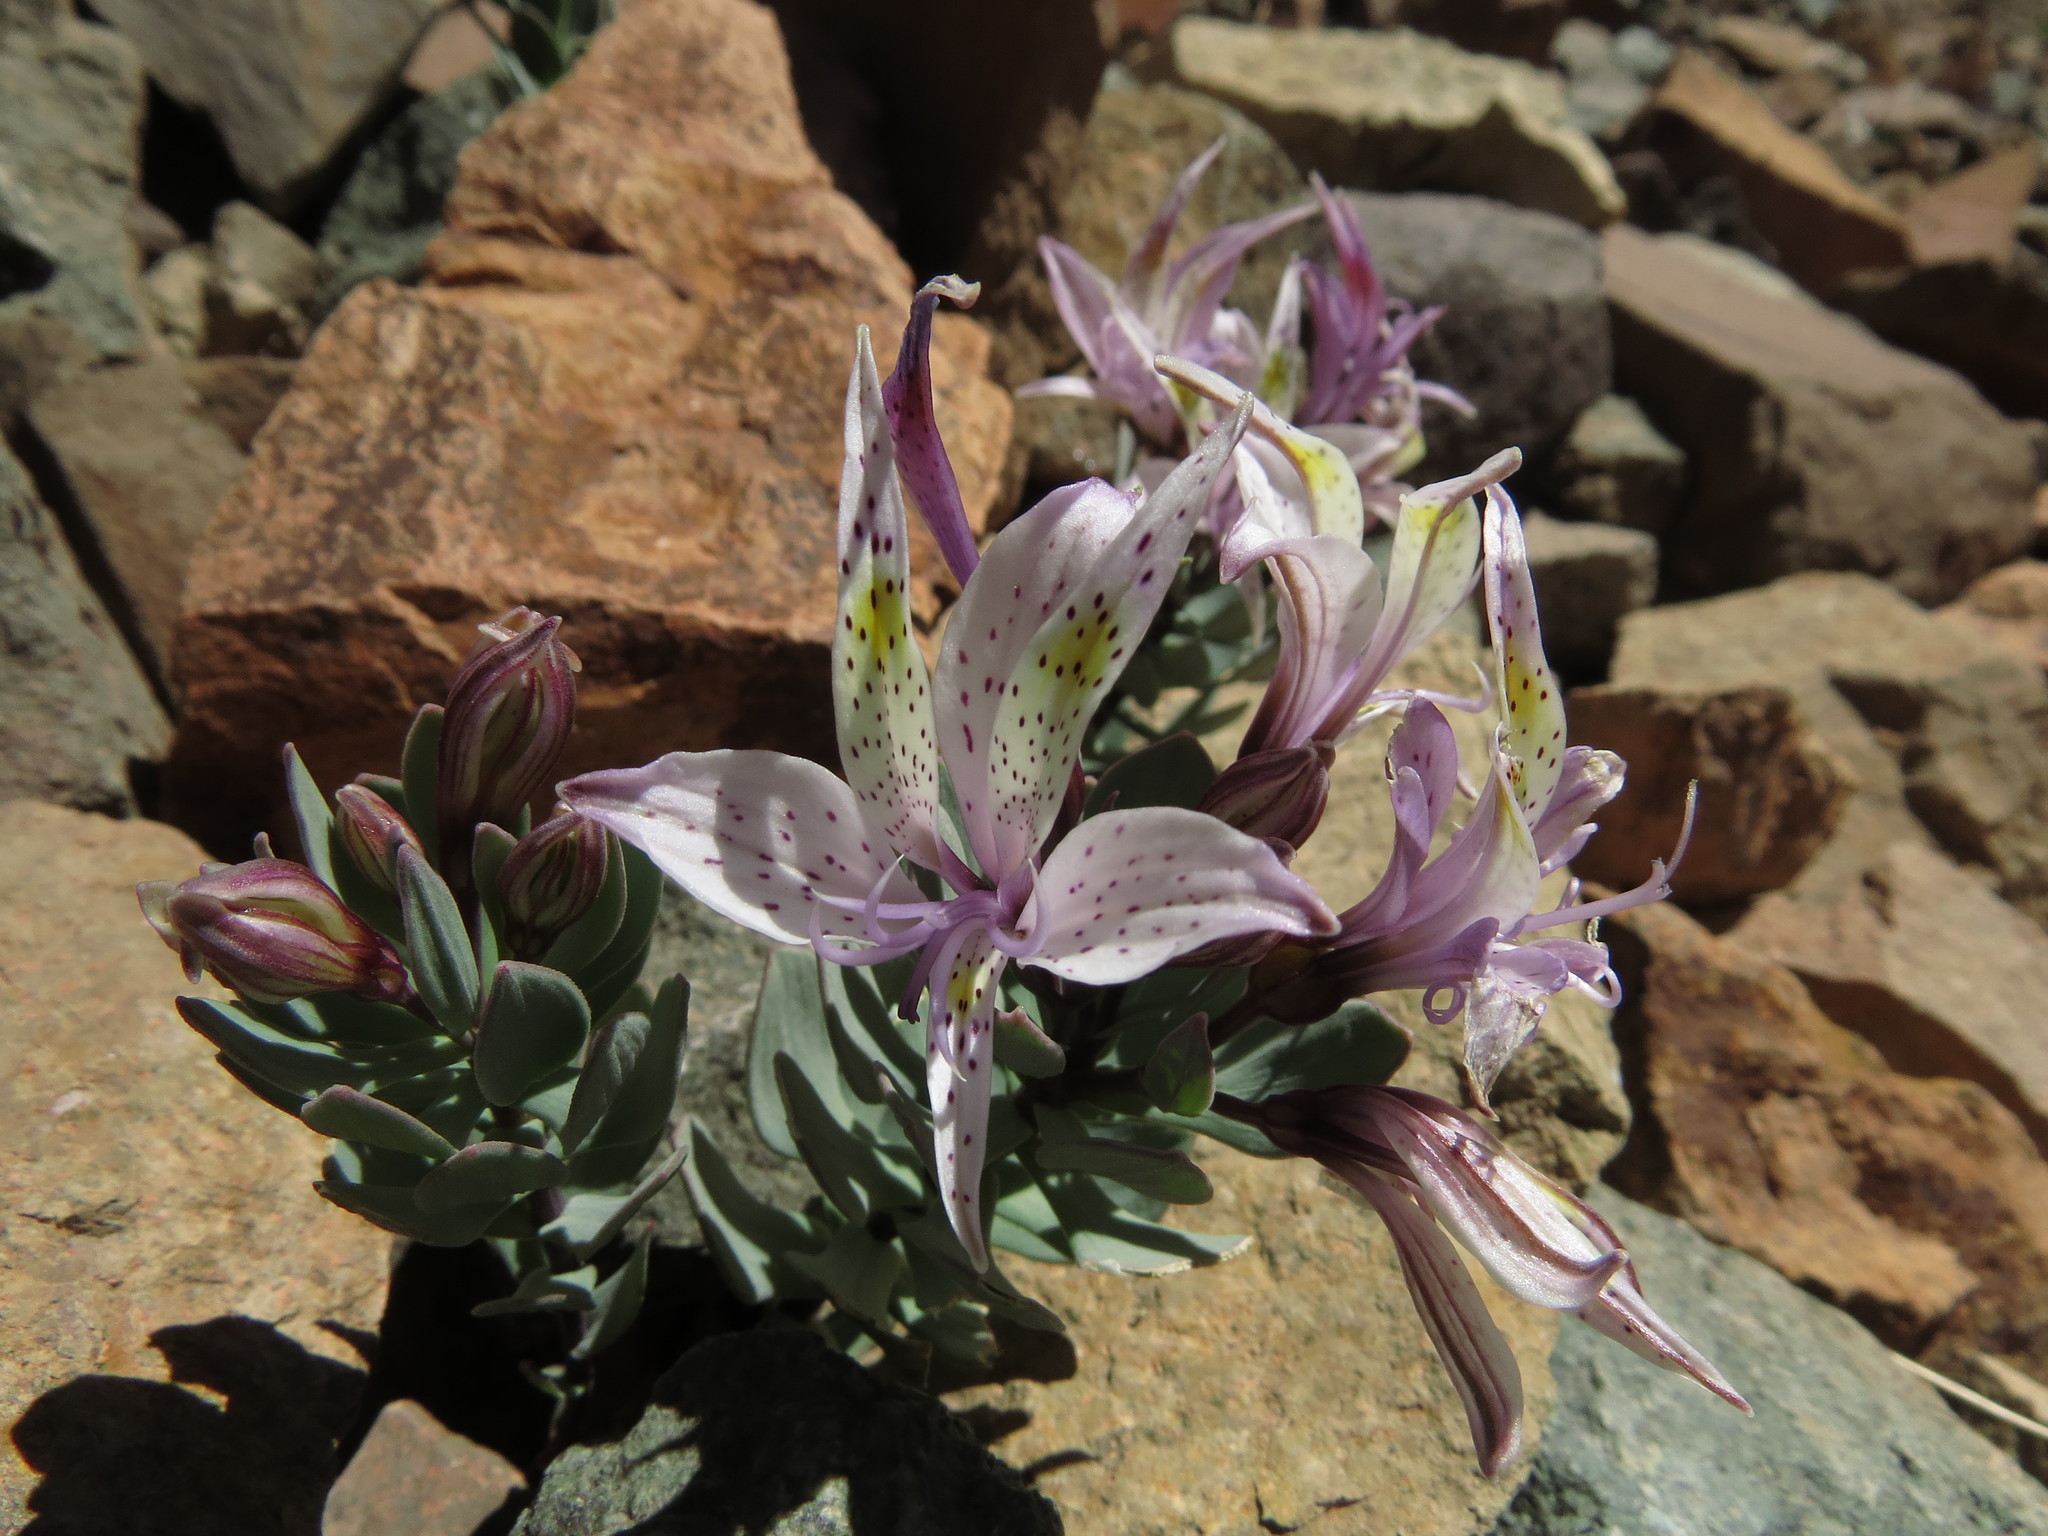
x=251 y=1451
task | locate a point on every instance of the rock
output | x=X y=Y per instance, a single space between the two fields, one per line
x=237 y=394
x=1395 y=110
x=1602 y=94
x=647 y=439
x=1515 y=29
x=390 y=209
x=456 y=45
x=145 y=471
x=1791 y=417
x=1769 y=792
x=1820 y=223
x=1291 y=1386
x=174 y=297
x=68 y=175
x=412 y=1477
x=1525 y=332
x=2010 y=606
x=177 y=1297
x=776 y=1431
x=1588 y=575
x=262 y=288
x=285 y=81
x=1842 y=1440
x=1905 y=126
x=1772 y=48
x=1973 y=216
x=1986 y=320
x=80 y=715
x=1614 y=467
x=2009 y=1388
x=1925 y=963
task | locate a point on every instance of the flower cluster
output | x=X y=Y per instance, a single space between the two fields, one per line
x=1103 y=967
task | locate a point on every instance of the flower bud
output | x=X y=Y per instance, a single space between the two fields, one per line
x=271 y=930
x=552 y=877
x=1279 y=793
x=368 y=824
x=509 y=713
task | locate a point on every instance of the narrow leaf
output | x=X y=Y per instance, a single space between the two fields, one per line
x=1176 y=771
x=788 y=1017
x=442 y=963
x=1356 y=1044
x=540 y=1291
x=856 y=1271
x=487 y=854
x=346 y=1115
x=614 y=1052
x=619 y=1299
x=534 y=1022
x=391 y=1207
x=420 y=772
x=1026 y=1049
x=849 y=1171
x=749 y=1238
x=314 y=817
x=1181 y=1076
x=629 y=1206
x=489 y=1171
x=1169 y=1176
x=640 y=1108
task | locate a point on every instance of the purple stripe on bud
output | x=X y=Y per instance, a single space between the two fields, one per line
x=551 y=878
x=372 y=831
x=510 y=710
x=1279 y=793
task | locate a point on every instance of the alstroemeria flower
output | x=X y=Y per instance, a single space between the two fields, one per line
x=1175 y=307
x=1463 y=925
x=1042 y=629
x=1427 y=1168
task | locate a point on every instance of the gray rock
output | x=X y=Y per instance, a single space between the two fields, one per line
x=1524 y=335
x=1601 y=92
x=1844 y=1442
x=391 y=207
x=262 y=286
x=285 y=81
x=1616 y=468
x=777 y=1434
x=68 y=146
x=1588 y=575
x=1986 y=319
x=77 y=708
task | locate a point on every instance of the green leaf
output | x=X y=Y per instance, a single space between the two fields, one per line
x=1181 y=1076
x=1176 y=771
x=619 y=1298
x=932 y=1234
x=621 y=1208
x=865 y=998
x=391 y=1207
x=357 y=1021
x=539 y=1291
x=857 y=1272
x=487 y=854
x=1356 y=1044
x=533 y=1022
x=789 y=1016
x=1065 y=1146
x=346 y=1115
x=751 y=1240
x=445 y=1099
x=1024 y=1221
x=420 y=771
x=856 y=1069
x=849 y=1170
x=312 y=814
x=1113 y=1241
x=442 y=963
x=614 y=1051
x=641 y=1106
x=295 y=1065
x=1026 y=1049
x=611 y=975
x=549 y=1100
x=588 y=938
x=489 y=1171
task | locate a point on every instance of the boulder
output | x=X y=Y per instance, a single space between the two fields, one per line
x=1822 y=226
x=1769 y=792
x=1395 y=110
x=1291 y=1386
x=177 y=1298
x=411 y=1476
x=237 y=394
x=1602 y=93
x=1925 y=963
x=1986 y=319
x=1842 y=1440
x=142 y=468
x=80 y=714
x=1812 y=445
x=779 y=1431
x=1615 y=467
x=1774 y=48
x=286 y=82
x=69 y=145
x=2010 y=607
x=1588 y=575
x=2009 y=1387
x=1524 y=335
x=618 y=396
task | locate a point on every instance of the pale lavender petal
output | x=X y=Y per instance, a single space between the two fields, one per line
x=1115 y=340
x=927 y=471
x=1589 y=779
x=1195 y=284
x=881 y=692
x=1148 y=257
x=1621 y=1314
x=1126 y=892
x=959 y=1066
x=763 y=839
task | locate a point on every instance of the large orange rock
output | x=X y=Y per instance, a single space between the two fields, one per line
x=617 y=396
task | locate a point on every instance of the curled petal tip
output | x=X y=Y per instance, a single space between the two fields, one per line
x=951 y=286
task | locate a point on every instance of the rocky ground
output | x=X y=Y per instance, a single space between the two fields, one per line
x=320 y=342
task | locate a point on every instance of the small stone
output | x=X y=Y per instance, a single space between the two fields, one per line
x=1615 y=467
x=1601 y=92
x=80 y=715
x=1772 y=48
x=1843 y=1440
x=413 y=1477
x=177 y=1296
x=1770 y=793
x=2010 y=606
x=1836 y=484
x=285 y=81
x=262 y=285
x=237 y=394
x=457 y=44
x=1394 y=110
x=1822 y=225
x=174 y=294
x=777 y=1432
x=1974 y=215
x=1587 y=575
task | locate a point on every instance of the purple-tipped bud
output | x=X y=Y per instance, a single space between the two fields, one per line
x=271 y=930
x=552 y=877
x=510 y=709
x=372 y=831
x=1278 y=793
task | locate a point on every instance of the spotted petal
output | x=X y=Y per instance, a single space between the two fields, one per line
x=1535 y=704
x=1126 y=892
x=959 y=1062
x=771 y=842
x=1048 y=623
x=881 y=693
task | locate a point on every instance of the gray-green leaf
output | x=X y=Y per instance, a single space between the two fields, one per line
x=443 y=965
x=346 y=1115
x=488 y=1171
x=533 y=1022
